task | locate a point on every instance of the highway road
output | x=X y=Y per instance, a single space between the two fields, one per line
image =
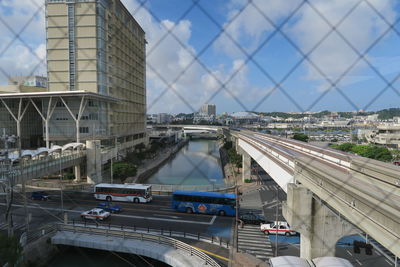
x=156 y=214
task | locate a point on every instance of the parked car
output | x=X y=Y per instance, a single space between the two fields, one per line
x=107 y=206
x=251 y=218
x=95 y=214
x=40 y=195
x=282 y=228
x=397 y=162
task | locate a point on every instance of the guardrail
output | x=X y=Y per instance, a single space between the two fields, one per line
x=121 y=232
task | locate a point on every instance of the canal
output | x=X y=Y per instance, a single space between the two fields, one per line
x=198 y=163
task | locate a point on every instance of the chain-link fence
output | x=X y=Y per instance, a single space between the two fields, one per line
x=255 y=56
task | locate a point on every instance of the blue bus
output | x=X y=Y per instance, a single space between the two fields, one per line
x=222 y=204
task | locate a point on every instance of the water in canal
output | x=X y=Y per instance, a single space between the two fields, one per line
x=198 y=163
x=82 y=257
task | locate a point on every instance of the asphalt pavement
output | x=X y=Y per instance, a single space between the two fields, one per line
x=157 y=214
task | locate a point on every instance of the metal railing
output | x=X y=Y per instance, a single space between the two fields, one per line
x=215 y=240
x=29 y=168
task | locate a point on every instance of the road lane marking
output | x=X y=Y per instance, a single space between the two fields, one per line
x=348 y=252
x=168 y=216
x=213 y=254
x=211 y=222
x=358 y=262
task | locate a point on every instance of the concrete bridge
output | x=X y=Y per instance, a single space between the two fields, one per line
x=362 y=192
x=158 y=246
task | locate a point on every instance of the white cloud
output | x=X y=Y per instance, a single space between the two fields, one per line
x=306 y=29
x=22 y=56
x=171 y=60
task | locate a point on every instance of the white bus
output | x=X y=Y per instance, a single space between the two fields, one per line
x=138 y=193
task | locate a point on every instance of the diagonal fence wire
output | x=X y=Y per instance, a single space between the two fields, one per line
x=224 y=85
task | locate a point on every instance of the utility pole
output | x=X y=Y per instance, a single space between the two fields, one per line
x=9 y=183
x=276 y=222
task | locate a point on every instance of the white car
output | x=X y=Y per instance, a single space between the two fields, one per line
x=282 y=228
x=95 y=214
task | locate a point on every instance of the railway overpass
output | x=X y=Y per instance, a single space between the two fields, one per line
x=361 y=191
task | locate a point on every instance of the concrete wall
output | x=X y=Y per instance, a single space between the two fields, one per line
x=280 y=175
x=153 y=250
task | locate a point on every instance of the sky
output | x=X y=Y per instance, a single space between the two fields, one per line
x=260 y=55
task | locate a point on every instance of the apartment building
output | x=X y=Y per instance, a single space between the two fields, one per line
x=208 y=109
x=96 y=46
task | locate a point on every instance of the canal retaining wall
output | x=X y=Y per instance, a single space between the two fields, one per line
x=144 y=172
x=39 y=252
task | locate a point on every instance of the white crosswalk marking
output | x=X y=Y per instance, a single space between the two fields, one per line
x=251 y=240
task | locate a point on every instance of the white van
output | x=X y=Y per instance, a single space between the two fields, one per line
x=292 y=261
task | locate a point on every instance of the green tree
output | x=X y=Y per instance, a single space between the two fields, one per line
x=347 y=147
x=228 y=145
x=10 y=250
x=367 y=151
x=300 y=137
x=123 y=170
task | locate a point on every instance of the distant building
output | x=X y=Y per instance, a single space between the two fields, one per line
x=25 y=84
x=245 y=117
x=164 y=118
x=386 y=134
x=37 y=81
x=373 y=117
x=208 y=109
x=152 y=118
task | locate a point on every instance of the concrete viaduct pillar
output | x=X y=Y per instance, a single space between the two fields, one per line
x=77 y=172
x=319 y=227
x=93 y=161
x=246 y=166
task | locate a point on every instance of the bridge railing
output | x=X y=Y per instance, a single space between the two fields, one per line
x=160 y=231
x=141 y=234
x=163 y=189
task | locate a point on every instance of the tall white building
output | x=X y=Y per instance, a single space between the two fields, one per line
x=208 y=109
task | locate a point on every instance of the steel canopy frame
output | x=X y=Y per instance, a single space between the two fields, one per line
x=30 y=97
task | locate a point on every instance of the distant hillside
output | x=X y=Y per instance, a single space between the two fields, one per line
x=316 y=115
x=386 y=114
x=383 y=114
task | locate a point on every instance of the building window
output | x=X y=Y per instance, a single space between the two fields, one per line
x=83 y=129
x=93 y=116
x=92 y=103
x=60 y=104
